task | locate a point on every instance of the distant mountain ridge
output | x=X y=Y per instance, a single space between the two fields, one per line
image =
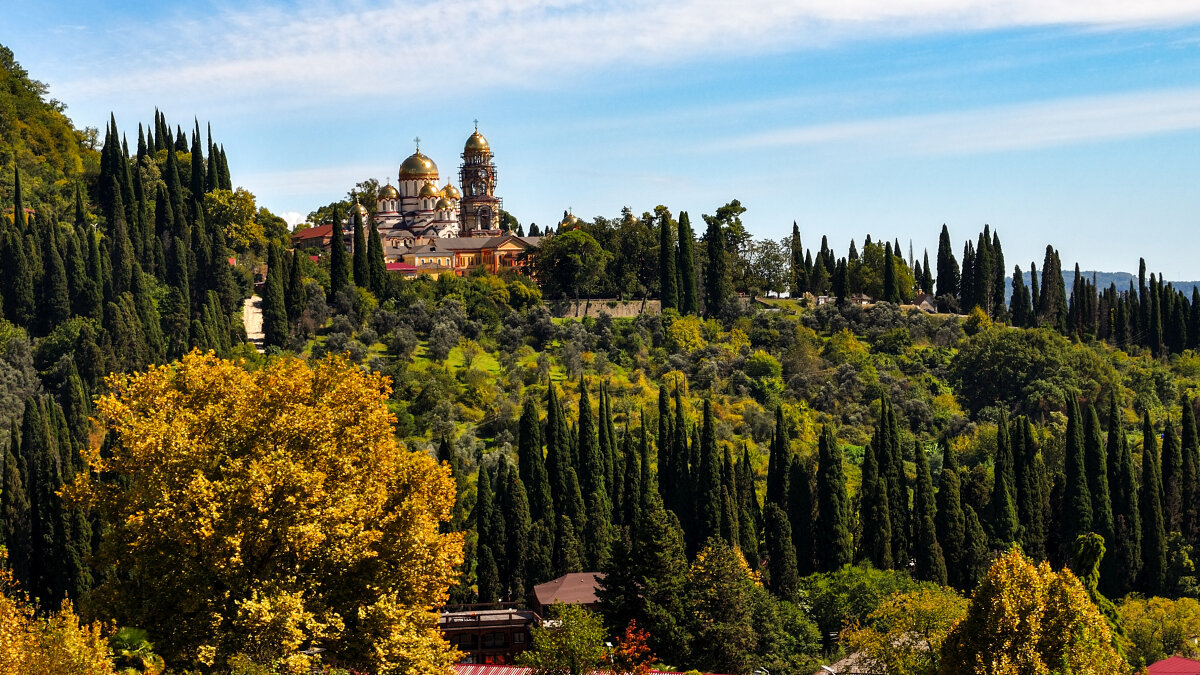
x=1103 y=279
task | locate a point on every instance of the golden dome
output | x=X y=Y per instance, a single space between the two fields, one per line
x=389 y=192
x=418 y=166
x=570 y=220
x=443 y=204
x=451 y=192
x=362 y=210
x=428 y=190
x=477 y=144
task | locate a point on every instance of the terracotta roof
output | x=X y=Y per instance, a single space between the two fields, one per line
x=318 y=232
x=576 y=588
x=482 y=669
x=1176 y=665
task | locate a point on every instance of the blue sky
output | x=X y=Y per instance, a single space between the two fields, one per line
x=1075 y=124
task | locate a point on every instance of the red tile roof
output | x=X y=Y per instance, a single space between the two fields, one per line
x=400 y=267
x=318 y=232
x=1176 y=665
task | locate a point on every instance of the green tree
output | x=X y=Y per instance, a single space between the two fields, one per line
x=569 y=264
x=668 y=290
x=1172 y=478
x=783 y=578
x=722 y=593
x=361 y=263
x=717 y=289
x=1003 y=517
x=339 y=272
x=376 y=262
x=274 y=304
x=947 y=266
x=931 y=564
x=950 y=522
x=708 y=481
x=876 y=525
x=688 y=301
x=1122 y=568
x=833 y=530
x=1154 y=533
x=573 y=644
x=905 y=634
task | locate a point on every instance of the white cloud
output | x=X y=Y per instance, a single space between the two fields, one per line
x=350 y=49
x=1009 y=127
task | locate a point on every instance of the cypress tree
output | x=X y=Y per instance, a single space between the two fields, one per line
x=46 y=533
x=716 y=275
x=668 y=292
x=975 y=551
x=531 y=465
x=1123 y=565
x=833 y=531
x=1172 y=479
x=197 y=176
x=798 y=268
x=18 y=201
x=891 y=292
x=949 y=520
x=891 y=467
x=782 y=577
x=362 y=268
x=931 y=564
x=926 y=275
x=1035 y=298
x=730 y=516
x=1030 y=473
x=375 y=261
x=515 y=512
x=1021 y=308
x=1096 y=461
x=749 y=516
x=1191 y=475
x=487 y=572
x=708 y=482
x=660 y=562
x=19 y=303
x=632 y=486
x=566 y=556
x=274 y=309
x=339 y=273
x=1003 y=516
x=591 y=464
x=801 y=509
x=579 y=517
x=55 y=305
x=557 y=456
x=666 y=466
x=778 y=461
x=875 y=521
x=1077 y=500
x=14 y=508
x=1154 y=534
x=688 y=300
x=997 y=262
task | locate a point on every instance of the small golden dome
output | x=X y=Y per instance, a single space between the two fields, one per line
x=477 y=144
x=389 y=192
x=428 y=190
x=418 y=166
x=570 y=220
x=443 y=204
x=362 y=210
x=451 y=192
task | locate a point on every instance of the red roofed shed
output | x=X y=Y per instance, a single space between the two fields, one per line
x=1176 y=665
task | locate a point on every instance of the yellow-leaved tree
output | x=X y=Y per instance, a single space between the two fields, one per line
x=252 y=515
x=1030 y=620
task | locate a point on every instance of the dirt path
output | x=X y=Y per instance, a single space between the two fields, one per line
x=253 y=319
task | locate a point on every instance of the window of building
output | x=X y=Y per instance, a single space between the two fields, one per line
x=518 y=638
x=494 y=639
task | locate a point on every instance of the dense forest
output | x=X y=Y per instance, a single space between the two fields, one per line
x=765 y=482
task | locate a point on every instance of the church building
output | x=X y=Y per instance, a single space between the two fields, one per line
x=419 y=207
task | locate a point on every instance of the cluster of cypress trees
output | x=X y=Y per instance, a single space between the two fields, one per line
x=48 y=539
x=143 y=285
x=283 y=293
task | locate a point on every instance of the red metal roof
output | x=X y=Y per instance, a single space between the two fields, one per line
x=576 y=588
x=1176 y=665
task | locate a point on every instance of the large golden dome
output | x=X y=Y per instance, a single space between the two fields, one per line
x=388 y=192
x=418 y=166
x=477 y=144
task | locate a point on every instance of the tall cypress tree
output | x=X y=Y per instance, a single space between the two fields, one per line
x=293 y=294
x=487 y=573
x=531 y=464
x=1191 y=475
x=1077 y=500
x=975 y=551
x=782 y=576
x=1021 y=307
x=688 y=300
x=55 y=305
x=362 y=268
x=668 y=290
x=1122 y=566
x=1030 y=473
x=1154 y=533
x=876 y=524
x=514 y=508
x=14 y=508
x=1172 y=478
x=708 y=482
x=778 y=461
x=1004 y=522
x=274 y=308
x=749 y=516
x=931 y=564
x=717 y=292
x=339 y=272
x=1096 y=465
x=801 y=510
x=799 y=269
x=949 y=520
x=835 y=540
x=375 y=261
x=891 y=291
x=891 y=467
x=947 y=267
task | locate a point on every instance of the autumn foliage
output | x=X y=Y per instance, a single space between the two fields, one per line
x=257 y=514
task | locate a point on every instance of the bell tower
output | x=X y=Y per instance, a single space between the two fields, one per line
x=480 y=207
